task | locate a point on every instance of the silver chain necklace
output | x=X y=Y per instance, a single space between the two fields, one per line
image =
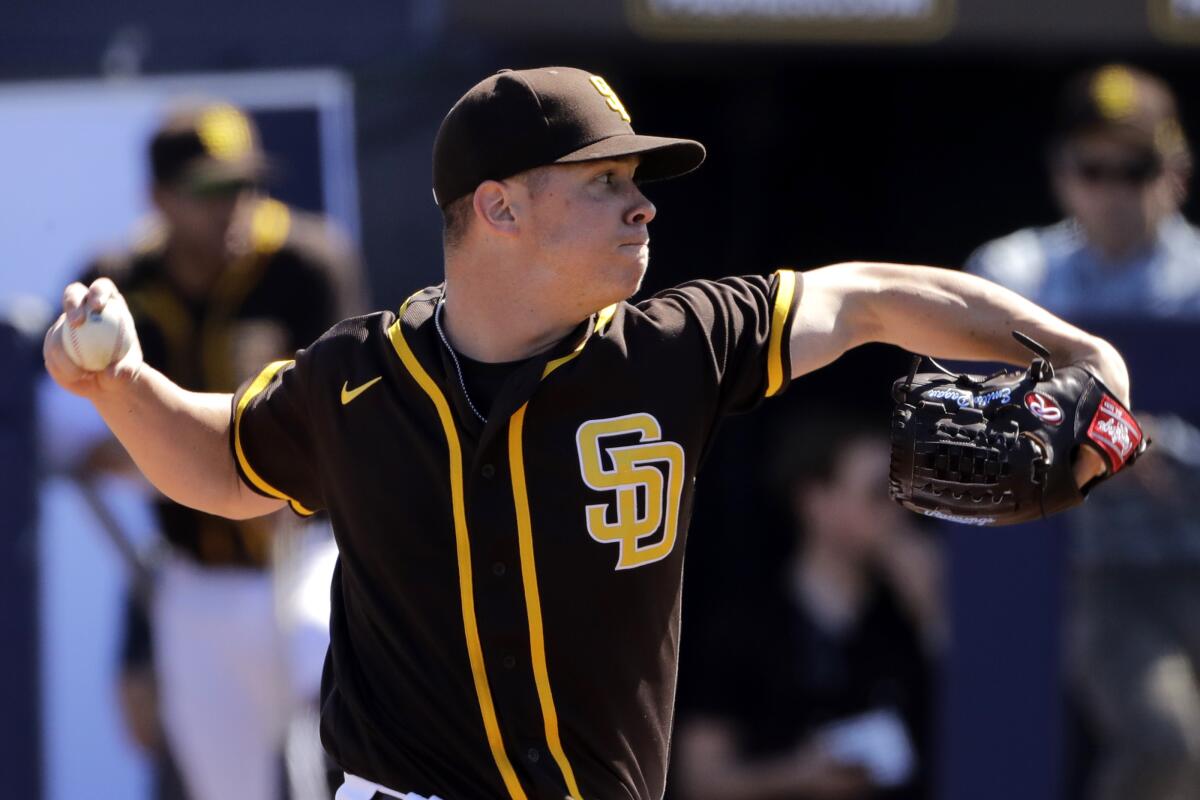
x=437 y=323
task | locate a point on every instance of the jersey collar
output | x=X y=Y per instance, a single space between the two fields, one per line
x=414 y=329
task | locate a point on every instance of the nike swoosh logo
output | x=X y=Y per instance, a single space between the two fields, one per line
x=349 y=394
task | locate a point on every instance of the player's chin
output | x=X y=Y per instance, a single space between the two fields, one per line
x=632 y=273
x=637 y=254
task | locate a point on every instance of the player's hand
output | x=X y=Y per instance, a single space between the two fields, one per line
x=78 y=301
x=1107 y=364
x=1088 y=464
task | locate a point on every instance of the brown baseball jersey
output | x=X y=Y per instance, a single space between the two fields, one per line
x=505 y=617
x=293 y=281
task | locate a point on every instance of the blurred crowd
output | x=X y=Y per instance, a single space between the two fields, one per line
x=820 y=680
x=820 y=676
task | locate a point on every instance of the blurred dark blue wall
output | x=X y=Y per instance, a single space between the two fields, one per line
x=20 y=363
x=57 y=37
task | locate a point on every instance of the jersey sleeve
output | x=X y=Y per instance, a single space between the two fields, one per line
x=741 y=326
x=270 y=436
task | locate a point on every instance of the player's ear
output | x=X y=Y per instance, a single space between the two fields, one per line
x=493 y=208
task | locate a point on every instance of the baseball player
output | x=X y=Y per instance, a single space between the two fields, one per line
x=509 y=458
x=223 y=279
x=1120 y=165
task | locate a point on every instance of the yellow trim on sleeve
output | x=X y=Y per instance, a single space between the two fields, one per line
x=783 y=305
x=256 y=387
x=463 y=548
x=533 y=605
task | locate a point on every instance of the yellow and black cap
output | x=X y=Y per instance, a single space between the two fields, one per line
x=1126 y=102
x=520 y=119
x=207 y=147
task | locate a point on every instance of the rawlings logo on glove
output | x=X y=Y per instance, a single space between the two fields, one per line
x=1006 y=459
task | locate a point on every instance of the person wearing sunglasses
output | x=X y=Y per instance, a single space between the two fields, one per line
x=1119 y=165
x=220 y=278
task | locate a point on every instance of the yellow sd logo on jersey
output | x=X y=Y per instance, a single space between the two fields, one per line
x=649 y=468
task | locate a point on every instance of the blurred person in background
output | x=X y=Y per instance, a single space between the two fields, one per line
x=837 y=706
x=1120 y=165
x=224 y=652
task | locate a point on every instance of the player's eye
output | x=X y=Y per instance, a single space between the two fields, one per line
x=607 y=177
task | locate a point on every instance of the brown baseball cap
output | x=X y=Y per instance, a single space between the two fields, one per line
x=204 y=146
x=1125 y=101
x=520 y=119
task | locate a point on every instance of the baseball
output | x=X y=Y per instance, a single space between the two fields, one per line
x=103 y=338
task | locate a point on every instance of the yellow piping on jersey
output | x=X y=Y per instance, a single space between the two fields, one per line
x=463 y=548
x=602 y=319
x=784 y=291
x=261 y=382
x=533 y=603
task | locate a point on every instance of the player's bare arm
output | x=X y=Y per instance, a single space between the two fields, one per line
x=936 y=312
x=178 y=439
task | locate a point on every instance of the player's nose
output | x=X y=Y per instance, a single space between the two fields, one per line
x=641 y=211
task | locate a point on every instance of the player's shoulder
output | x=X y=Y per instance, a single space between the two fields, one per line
x=364 y=345
x=352 y=346
x=703 y=296
x=349 y=337
x=697 y=310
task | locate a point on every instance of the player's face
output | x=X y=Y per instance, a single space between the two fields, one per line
x=587 y=226
x=205 y=221
x=1116 y=191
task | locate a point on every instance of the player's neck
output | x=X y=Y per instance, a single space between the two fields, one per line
x=497 y=320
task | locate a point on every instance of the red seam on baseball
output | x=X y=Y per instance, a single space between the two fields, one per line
x=75 y=347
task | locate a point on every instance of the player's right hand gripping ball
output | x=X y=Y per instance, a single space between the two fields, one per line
x=103 y=338
x=998 y=450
